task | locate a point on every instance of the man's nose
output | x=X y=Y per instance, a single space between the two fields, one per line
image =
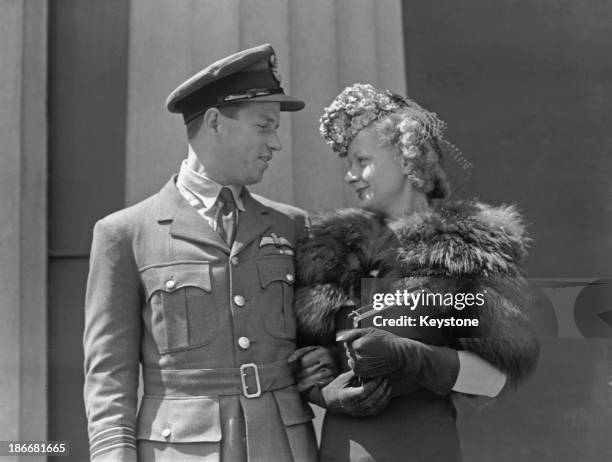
x=274 y=143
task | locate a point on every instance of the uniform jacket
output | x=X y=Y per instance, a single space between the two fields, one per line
x=165 y=292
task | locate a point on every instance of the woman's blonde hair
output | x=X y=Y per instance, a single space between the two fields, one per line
x=421 y=161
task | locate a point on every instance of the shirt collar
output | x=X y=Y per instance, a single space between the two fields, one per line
x=205 y=189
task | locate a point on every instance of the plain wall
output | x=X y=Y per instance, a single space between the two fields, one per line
x=525 y=88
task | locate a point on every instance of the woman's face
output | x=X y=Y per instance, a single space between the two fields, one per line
x=375 y=175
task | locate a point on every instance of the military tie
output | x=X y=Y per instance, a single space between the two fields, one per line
x=226 y=216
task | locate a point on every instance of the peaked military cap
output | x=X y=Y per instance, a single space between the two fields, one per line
x=249 y=75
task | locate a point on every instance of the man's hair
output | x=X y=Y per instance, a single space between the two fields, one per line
x=229 y=110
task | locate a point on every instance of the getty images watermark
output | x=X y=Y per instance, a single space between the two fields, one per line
x=439 y=307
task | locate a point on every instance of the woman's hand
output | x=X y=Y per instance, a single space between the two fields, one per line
x=315 y=366
x=375 y=352
x=369 y=398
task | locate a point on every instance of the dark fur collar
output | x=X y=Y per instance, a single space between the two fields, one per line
x=454 y=239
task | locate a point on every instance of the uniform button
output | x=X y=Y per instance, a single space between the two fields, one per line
x=170 y=284
x=235 y=261
x=290 y=277
x=244 y=343
x=166 y=432
x=239 y=300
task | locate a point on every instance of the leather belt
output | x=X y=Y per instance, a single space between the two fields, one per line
x=249 y=380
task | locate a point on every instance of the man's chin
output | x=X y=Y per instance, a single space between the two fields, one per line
x=251 y=181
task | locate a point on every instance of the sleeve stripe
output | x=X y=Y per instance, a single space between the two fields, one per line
x=97 y=452
x=119 y=430
x=126 y=438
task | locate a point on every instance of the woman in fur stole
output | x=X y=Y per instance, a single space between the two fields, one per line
x=393 y=402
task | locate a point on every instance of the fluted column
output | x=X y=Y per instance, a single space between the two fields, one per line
x=23 y=341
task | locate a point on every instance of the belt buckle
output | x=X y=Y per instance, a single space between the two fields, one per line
x=243 y=375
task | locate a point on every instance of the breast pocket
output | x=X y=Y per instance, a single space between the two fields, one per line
x=183 y=312
x=276 y=278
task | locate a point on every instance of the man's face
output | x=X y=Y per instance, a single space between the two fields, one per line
x=246 y=142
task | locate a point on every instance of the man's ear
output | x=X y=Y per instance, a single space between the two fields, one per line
x=212 y=119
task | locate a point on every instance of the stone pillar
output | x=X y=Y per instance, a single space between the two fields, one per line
x=322 y=45
x=23 y=251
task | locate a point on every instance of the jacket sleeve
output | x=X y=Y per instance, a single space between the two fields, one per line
x=112 y=346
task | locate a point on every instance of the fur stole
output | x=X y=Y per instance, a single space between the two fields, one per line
x=466 y=241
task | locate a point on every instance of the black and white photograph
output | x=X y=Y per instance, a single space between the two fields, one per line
x=306 y=230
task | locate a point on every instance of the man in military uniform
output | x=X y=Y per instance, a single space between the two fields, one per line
x=196 y=285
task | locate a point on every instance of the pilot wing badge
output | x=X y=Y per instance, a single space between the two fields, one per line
x=278 y=244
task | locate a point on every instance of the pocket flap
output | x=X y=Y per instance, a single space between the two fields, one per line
x=169 y=277
x=275 y=268
x=292 y=408
x=180 y=420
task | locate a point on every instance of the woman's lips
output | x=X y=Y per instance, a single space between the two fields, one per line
x=364 y=194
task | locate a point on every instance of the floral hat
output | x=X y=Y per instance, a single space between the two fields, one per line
x=360 y=105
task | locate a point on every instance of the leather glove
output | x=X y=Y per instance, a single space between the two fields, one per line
x=315 y=366
x=374 y=352
x=370 y=398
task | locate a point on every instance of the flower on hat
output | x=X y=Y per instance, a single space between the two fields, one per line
x=360 y=105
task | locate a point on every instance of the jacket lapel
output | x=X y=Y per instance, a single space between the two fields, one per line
x=253 y=222
x=186 y=222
